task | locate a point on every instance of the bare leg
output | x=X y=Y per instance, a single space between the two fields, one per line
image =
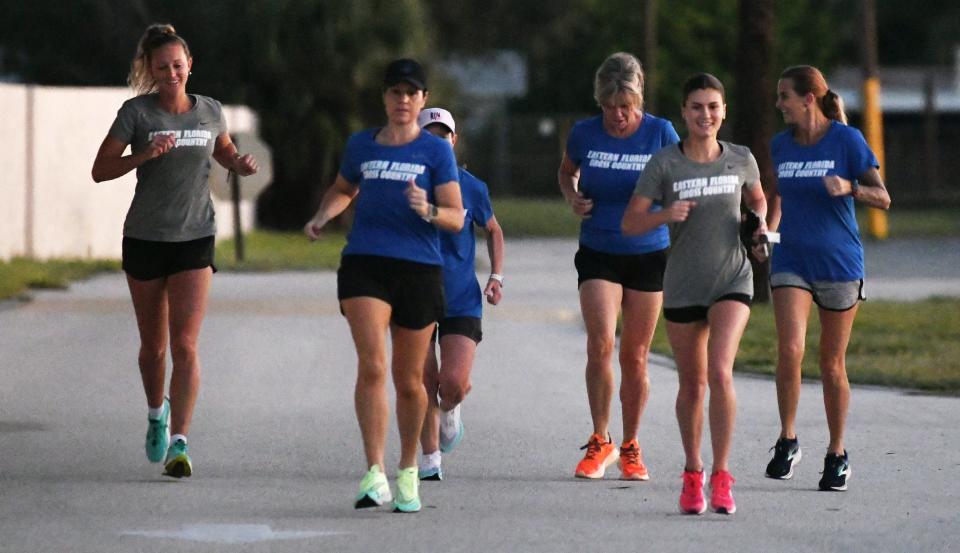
x=791 y=308
x=456 y=356
x=187 y=296
x=409 y=354
x=836 y=327
x=727 y=319
x=430 y=435
x=689 y=344
x=150 y=306
x=640 y=312
x=599 y=304
x=369 y=319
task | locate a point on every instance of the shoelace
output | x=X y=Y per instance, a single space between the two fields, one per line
x=592 y=447
x=690 y=485
x=723 y=484
x=632 y=454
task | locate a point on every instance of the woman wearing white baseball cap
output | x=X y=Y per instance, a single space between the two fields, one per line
x=459 y=332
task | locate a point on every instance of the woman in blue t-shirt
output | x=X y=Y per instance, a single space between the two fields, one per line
x=822 y=166
x=406 y=187
x=603 y=158
x=168 y=235
x=447 y=379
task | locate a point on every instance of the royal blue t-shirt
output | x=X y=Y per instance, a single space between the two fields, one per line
x=819 y=237
x=609 y=169
x=460 y=286
x=383 y=223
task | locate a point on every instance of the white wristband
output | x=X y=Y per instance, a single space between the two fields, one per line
x=496 y=277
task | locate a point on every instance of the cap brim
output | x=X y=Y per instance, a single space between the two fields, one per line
x=411 y=80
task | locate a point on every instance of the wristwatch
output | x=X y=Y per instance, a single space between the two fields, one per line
x=496 y=277
x=432 y=213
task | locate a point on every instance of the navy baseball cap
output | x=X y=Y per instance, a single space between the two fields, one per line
x=405 y=70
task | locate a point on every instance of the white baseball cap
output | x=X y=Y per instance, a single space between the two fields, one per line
x=436 y=115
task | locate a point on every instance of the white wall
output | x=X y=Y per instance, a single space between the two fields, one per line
x=72 y=216
x=13 y=169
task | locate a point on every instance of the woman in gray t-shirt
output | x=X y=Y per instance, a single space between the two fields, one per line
x=708 y=283
x=169 y=230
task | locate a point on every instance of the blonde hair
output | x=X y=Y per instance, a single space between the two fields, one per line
x=619 y=73
x=156 y=36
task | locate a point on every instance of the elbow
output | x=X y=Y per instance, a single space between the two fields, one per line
x=885 y=203
x=97 y=175
x=628 y=228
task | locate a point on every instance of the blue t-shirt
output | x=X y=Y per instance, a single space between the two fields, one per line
x=460 y=286
x=383 y=223
x=819 y=238
x=609 y=169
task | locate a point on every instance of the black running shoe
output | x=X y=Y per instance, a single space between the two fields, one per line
x=836 y=470
x=786 y=453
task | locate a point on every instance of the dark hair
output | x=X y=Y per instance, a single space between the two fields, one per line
x=156 y=36
x=807 y=79
x=702 y=81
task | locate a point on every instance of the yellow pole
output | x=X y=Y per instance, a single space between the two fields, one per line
x=873 y=132
x=872 y=115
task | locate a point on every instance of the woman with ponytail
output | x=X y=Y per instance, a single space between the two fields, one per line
x=822 y=166
x=168 y=234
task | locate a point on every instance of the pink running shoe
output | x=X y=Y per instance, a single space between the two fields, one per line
x=721 y=493
x=692 y=501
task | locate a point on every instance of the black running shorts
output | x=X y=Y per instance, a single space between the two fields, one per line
x=641 y=272
x=413 y=290
x=149 y=260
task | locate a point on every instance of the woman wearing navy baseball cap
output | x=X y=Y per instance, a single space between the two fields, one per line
x=406 y=188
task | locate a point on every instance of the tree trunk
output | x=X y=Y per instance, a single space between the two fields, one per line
x=754 y=113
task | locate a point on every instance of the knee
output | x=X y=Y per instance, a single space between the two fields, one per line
x=372 y=371
x=691 y=390
x=791 y=351
x=600 y=347
x=184 y=350
x=833 y=372
x=454 y=392
x=152 y=354
x=721 y=380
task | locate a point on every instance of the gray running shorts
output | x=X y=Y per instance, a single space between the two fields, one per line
x=834 y=296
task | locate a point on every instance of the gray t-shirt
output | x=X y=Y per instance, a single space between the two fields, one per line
x=172 y=199
x=707 y=260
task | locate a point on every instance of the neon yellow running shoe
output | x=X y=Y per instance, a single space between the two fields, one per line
x=408 y=493
x=374 y=489
x=178 y=463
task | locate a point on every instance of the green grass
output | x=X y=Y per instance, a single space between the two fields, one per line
x=281 y=251
x=20 y=274
x=911 y=345
x=916 y=223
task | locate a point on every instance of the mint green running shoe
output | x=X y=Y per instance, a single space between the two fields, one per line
x=178 y=462
x=374 y=489
x=408 y=494
x=158 y=434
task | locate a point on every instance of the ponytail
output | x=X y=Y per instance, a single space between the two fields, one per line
x=156 y=35
x=832 y=106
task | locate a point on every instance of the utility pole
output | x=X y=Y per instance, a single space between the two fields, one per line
x=872 y=114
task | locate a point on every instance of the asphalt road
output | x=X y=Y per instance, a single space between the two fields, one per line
x=277 y=453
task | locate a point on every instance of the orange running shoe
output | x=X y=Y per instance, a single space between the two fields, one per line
x=692 y=501
x=600 y=455
x=631 y=462
x=721 y=492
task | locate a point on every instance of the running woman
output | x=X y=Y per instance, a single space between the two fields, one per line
x=459 y=332
x=708 y=283
x=405 y=184
x=822 y=167
x=168 y=235
x=615 y=273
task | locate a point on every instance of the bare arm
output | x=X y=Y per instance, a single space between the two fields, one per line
x=569 y=178
x=110 y=162
x=449 y=209
x=870 y=191
x=225 y=152
x=335 y=200
x=494 y=232
x=638 y=218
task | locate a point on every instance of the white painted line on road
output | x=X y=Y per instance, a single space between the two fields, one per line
x=229 y=533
